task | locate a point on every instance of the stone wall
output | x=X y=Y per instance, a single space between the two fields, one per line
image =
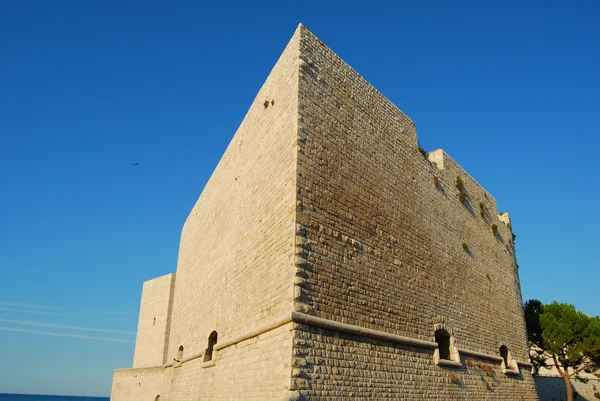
x=255 y=369
x=341 y=367
x=154 y=322
x=142 y=384
x=235 y=267
x=236 y=253
x=380 y=245
x=325 y=251
x=552 y=388
x=258 y=368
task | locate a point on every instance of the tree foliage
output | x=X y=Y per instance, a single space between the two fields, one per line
x=562 y=337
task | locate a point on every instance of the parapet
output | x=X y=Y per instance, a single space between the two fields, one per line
x=505 y=218
x=479 y=199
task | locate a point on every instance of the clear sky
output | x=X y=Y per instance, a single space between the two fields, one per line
x=510 y=89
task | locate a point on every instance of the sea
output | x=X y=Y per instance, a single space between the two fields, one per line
x=40 y=397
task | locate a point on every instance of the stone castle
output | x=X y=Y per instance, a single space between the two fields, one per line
x=329 y=259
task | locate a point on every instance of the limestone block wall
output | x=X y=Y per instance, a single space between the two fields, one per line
x=342 y=367
x=235 y=268
x=487 y=278
x=325 y=251
x=552 y=388
x=380 y=239
x=138 y=384
x=258 y=368
x=255 y=369
x=154 y=321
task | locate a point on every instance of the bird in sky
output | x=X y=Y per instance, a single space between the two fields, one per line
x=136 y=163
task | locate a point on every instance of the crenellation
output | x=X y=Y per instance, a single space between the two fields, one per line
x=451 y=169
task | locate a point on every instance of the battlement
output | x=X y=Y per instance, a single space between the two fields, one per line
x=443 y=161
x=479 y=199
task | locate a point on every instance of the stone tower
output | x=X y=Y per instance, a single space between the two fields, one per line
x=328 y=259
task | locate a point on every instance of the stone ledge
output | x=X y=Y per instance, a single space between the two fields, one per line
x=514 y=372
x=192 y=357
x=480 y=355
x=327 y=324
x=302 y=318
x=280 y=321
x=177 y=364
x=125 y=371
x=449 y=364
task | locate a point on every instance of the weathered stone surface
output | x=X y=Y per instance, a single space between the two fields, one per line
x=154 y=322
x=236 y=260
x=362 y=180
x=326 y=250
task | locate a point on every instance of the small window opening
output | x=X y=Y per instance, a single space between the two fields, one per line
x=212 y=340
x=508 y=365
x=154 y=322
x=442 y=338
x=180 y=353
x=504 y=354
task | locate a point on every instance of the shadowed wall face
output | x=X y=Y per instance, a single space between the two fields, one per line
x=390 y=244
x=553 y=389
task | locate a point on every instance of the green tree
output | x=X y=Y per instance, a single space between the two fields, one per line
x=560 y=336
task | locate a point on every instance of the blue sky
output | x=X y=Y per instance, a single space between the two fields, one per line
x=509 y=89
